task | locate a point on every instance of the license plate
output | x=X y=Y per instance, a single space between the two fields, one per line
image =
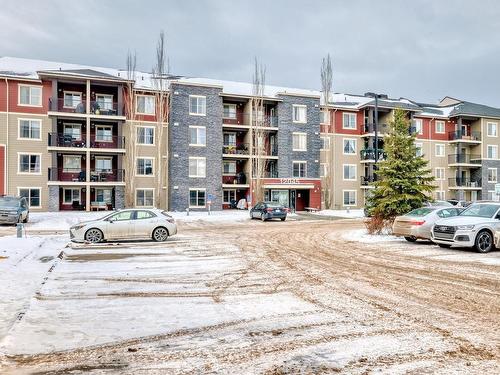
x=277 y=210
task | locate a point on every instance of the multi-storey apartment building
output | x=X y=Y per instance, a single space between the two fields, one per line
x=76 y=137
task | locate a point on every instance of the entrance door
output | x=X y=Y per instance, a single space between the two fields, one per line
x=301 y=200
x=293 y=199
x=280 y=196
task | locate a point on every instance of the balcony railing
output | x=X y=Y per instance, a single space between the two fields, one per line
x=80 y=106
x=368 y=180
x=108 y=142
x=371 y=154
x=271 y=174
x=80 y=175
x=236 y=149
x=381 y=129
x=245 y=119
x=237 y=179
x=461 y=135
x=464 y=182
x=464 y=159
x=62 y=140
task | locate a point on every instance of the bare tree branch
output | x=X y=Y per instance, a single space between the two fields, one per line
x=131 y=139
x=326 y=88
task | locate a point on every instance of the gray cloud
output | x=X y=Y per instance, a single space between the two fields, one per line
x=422 y=49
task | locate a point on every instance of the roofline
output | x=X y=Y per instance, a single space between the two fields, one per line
x=299 y=95
x=18 y=78
x=175 y=82
x=74 y=75
x=226 y=94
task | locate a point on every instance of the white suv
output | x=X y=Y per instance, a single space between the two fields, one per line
x=478 y=226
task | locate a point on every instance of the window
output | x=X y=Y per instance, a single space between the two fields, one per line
x=197 y=167
x=145 y=135
x=139 y=215
x=299 y=113
x=439 y=127
x=349 y=197
x=197 y=105
x=299 y=169
x=439 y=173
x=492 y=151
x=492 y=129
x=323 y=170
x=299 y=142
x=122 y=216
x=419 y=150
x=440 y=150
x=30 y=95
x=29 y=163
x=71 y=195
x=229 y=195
x=197 y=198
x=72 y=163
x=349 y=146
x=440 y=195
x=73 y=130
x=145 y=166
x=229 y=167
x=30 y=129
x=198 y=136
x=419 y=128
x=349 y=120
x=32 y=195
x=492 y=174
x=104 y=195
x=324 y=117
x=103 y=133
x=144 y=197
x=72 y=99
x=104 y=101
x=229 y=139
x=229 y=111
x=325 y=143
x=349 y=172
x=145 y=104
x=103 y=164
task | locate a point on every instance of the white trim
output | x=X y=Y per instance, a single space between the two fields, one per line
x=197 y=127
x=19 y=104
x=300 y=134
x=189 y=105
x=71 y=188
x=436 y=148
x=19 y=138
x=436 y=122
x=355 y=197
x=355 y=146
x=144 y=189
x=152 y=166
x=350 y=114
x=145 y=127
x=28 y=173
x=189 y=197
x=197 y=158
x=488 y=129
x=304 y=121
x=355 y=172
x=145 y=113
x=29 y=198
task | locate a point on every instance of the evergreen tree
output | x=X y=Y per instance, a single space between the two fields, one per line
x=404 y=180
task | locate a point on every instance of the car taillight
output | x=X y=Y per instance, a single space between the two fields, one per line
x=421 y=222
x=269 y=209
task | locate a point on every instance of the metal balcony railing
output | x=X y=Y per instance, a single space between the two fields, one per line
x=464 y=182
x=466 y=136
x=236 y=149
x=107 y=175
x=245 y=119
x=240 y=178
x=368 y=180
x=113 y=141
x=371 y=154
x=64 y=140
x=464 y=159
x=80 y=175
x=75 y=105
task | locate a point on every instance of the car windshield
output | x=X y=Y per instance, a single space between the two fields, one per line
x=480 y=210
x=11 y=203
x=420 y=211
x=441 y=203
x=273 y=205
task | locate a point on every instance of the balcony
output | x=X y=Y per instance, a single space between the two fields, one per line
x=370 y=155
x=464 y=183
x=464 y=160
x=461 y=136
x=237 y=179
x=367 y=181
x=98 y=108
x=245 y=120
x=106 y=142
x=382 y=129
x=80 y=175
x=236 y=149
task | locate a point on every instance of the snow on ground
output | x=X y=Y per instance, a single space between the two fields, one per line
x=342 y=213
x=361 y=235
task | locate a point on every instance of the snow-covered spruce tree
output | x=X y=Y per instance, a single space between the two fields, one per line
x=404 y=182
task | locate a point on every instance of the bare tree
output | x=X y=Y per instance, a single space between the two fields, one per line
x=159 y=80
x=326 y=88
x=259 y=142
x=131 y=135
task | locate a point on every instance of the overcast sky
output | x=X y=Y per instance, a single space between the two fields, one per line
x=418 y=49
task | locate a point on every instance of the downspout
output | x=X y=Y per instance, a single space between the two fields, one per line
x=6 y=156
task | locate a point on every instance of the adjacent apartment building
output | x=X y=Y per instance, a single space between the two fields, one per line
x=77 y=137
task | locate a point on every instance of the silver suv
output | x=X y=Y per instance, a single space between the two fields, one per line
x=13 y=210
x=478 y=226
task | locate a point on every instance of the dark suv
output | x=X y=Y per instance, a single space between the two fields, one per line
x=268 y=210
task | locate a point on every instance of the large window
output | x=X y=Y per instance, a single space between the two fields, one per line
x=197 y=136
x=197 y=105
x=349 y=172
x=492 y=151
x=71 y=195
x=299 y=169
x=440 y=127
x=229 y=167
x=325 y=143
x=440 y=150
x=299 y=141
x=492 y=129
x=229 y=139
x=104 y=195
x=349 y=120
x=145 y=105
x=229 y=111
x=73 y=130
x=29 y=163
x=104 y=101
x=145 y=135
x=145 y=166
x=104 y=133
x=229 y=196
x=419 y=149
x=72 y=163
x=349 y=146
x=197 y=198
x=30 y=129
x=32 y=195
x=30 y=95
x=72 y=99
x=197 y=167
x=299 y=113
x=349 y=197
x=492 y=174
x=439 y=173
x=419 y=129
x=103 y=164
x=144 y=197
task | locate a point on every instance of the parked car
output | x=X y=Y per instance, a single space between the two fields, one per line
x=477 y=226
x=438 y=204
x=128 y=224
x=268 y=210
x=417 y=224
x=459 y=203
x=14 y=210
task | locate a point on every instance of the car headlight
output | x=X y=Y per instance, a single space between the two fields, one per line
x=78 y=226
x=465 y=227
x=13 y=212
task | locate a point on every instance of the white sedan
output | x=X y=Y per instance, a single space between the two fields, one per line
x=128 y=224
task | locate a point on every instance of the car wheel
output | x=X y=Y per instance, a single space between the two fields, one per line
x=484 y=242
x=411 y=239
x=444 y=245
x=262 y=217
x=94 y=235
x=160 y=234
x=283 y=218
x=27 y=218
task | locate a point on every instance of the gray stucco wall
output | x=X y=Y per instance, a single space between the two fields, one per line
x=483 y=174
x=53 y=198
x=119 y=197
x=286 y=127
x=180 y=151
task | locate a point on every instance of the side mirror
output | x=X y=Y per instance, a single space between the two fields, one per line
x=111 y=220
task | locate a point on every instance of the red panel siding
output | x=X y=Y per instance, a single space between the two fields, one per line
x=338 y=120
x=2 y=170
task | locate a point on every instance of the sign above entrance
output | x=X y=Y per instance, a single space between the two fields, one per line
x=289 y=181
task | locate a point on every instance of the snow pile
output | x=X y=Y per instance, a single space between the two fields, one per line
x=361 y=235
x=342 y=213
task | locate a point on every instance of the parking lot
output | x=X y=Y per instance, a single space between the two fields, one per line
x=250 y=297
